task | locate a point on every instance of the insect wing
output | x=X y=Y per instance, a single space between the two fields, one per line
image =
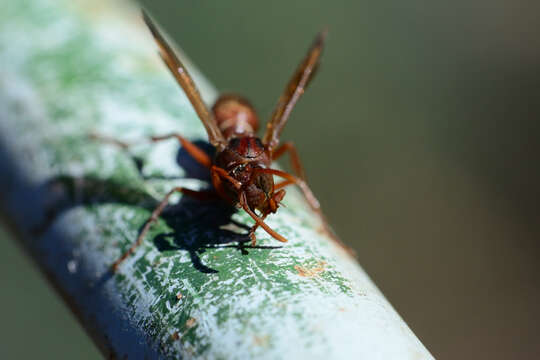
x=215 y=137
x=295 y=88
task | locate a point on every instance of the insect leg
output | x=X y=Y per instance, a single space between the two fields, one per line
x=217 y=175
x=110 y=140
x=198 y=154
x=253 y=229
x=291 y=179
x=258 y=220
x=223 y=174
x=312 y=201
x=218 y=185
x=202 y=195
x=293 y=155
x=282 y=184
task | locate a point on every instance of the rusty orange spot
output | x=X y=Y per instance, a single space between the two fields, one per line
x=191 y=322
x=261 y=340
x=179 y=296
x=312 y=272
x=175 y=335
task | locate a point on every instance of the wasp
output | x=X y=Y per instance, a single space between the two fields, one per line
x=241 y=171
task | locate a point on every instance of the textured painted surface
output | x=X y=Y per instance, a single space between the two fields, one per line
x=192 y=290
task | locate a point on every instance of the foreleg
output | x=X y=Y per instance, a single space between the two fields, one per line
x=258 y=220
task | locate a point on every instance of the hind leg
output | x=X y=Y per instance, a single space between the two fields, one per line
x=202 y=195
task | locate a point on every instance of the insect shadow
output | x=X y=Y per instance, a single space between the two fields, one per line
x=196 y=225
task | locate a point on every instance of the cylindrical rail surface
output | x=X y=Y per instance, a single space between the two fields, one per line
x=73 y=68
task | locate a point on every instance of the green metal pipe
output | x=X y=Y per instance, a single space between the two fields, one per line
x=70 y=68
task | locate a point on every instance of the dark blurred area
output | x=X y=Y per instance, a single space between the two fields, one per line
x=420 y=135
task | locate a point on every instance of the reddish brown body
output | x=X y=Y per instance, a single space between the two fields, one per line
x=240 y=160
x=244 y=155
x=241 y=170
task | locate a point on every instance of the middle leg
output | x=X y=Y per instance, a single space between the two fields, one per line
x=293 y=156
x=197 y=153
x=311 y=199
x=291 y=179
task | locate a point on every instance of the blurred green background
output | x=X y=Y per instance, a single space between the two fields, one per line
x=419 y=135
